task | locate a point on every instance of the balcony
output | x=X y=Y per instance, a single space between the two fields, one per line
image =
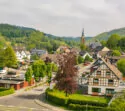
x=95 y=83
x=98 y=75
x=110 y=84
x=108 y=76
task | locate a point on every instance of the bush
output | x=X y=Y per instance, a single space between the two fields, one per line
x=5 y=91
x=78 y=107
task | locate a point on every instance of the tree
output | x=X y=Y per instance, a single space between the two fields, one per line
x=66 y=75
x=116 y=53
x=28 y=74
x=122 y=43
x=49 y=69
x=54 y=67
x=80 y=59
x=104 y=43
x=121 y=66
x=34 y=57
x=2 y=42
x=10 y=57
x=39 y=70
x=49 y=72
x=2 y=58
x=113 y=41
x=87 y=58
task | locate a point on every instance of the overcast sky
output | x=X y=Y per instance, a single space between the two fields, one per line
x=65 y=17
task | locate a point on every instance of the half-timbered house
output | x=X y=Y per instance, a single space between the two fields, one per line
x=104 y=78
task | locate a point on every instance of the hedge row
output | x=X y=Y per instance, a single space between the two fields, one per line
x=63 y=101
x=57 y=100
x=78 y=107
x=84 y=102
x=7 y=91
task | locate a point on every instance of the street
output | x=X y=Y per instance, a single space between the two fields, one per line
x=22 y=101
x=83 y=68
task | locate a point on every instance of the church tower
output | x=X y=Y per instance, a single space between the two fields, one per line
x=82 y=44
x=83 y=37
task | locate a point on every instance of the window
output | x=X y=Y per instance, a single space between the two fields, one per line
x=95 y=80
x=109 y=91
x=98 y=90
x=98 y=72
x=110 y=81
x=107 y=73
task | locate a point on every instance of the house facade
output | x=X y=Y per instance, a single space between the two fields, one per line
x=104 y=78
x=15 y=83
x=63 y=49
x=21 y=53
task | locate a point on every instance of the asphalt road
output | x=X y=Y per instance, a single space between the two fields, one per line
x=22 y=101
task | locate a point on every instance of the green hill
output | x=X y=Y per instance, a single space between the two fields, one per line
x=32 y=38
x=106 y=35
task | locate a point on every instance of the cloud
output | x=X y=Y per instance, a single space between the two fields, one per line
x=64 y=17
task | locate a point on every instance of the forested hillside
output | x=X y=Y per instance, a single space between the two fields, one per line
x=31 y=38
x=106 y=35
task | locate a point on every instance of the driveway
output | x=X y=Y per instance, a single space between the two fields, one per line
x=22 y=101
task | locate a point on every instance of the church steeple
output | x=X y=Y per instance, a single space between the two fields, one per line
x=83 y=32
x=82 y=37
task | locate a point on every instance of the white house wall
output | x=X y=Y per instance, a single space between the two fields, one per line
x=103 y=89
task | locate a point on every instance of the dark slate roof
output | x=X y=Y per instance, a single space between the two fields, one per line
x=93 y=45
x=38 y=51
x=82 y=53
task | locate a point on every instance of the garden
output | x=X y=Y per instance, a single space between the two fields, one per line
x=78 y=102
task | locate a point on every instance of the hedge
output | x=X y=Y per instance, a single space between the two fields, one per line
x=78 y=107
x=6 y=91
x=56 y=99
x=60 y=99
x=84 y=102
